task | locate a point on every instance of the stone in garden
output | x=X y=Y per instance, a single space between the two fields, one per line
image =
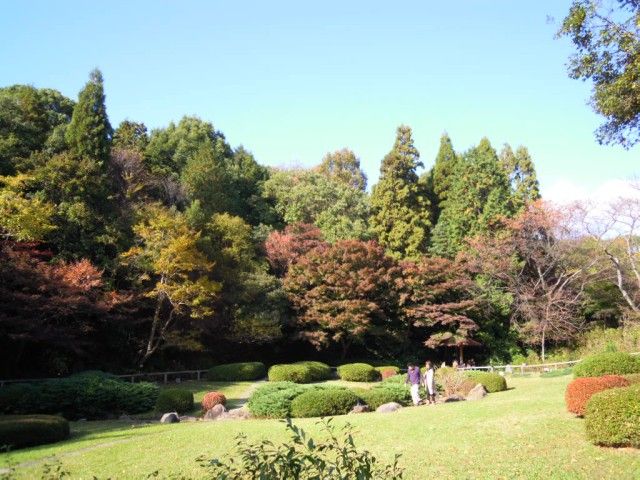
x=477 y=393
x=241 y=413
x=124 y=417
x=388 y=407
x=215 y=412
x=360 y=409
x=171 y=417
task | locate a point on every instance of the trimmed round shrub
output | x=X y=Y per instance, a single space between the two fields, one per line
x=580 y=390
x=174 y=400
x=273 y=400
x=388 y=371
x=17 y=431
x=358 y=372
x=300 y=372
x=379 y=395
x=612 y=418
x=211 y=399
x=323 y=402
x=230 y=372
x=491 y=381
x=607 y=363
x=633 y=377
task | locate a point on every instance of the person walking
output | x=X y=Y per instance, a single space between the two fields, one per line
x=413 y=379
x=429 y=382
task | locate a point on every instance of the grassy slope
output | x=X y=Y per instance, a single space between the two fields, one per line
x=522 y=433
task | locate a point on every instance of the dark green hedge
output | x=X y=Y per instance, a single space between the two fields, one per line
x=89 y=395
x=300 y=372
x=273 y=400
x=322 y=402
x=491 y=381
x=174 y=400
x=17 y=431
x=607 y=363
x=358 y=372
x=612 y=418
x=230 y=372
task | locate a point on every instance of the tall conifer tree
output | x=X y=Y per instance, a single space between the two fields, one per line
x=478 y=197
x=522 y=175
x=399 y=205
x=89 y=133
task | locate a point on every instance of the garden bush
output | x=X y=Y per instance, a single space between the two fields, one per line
x=395 y=379
x=17 y=431
x=612 y=418
x=273 y=400
x=491 y=381
x=607 y=363
x=300 y=372
x=88 y=395
x=323 y=402
x=450 y=380
x=388 y=371
x=580 y=390
x=358 y=372
x=230 y=372
x=211 y=399
x=381 y=394
x=174 y=400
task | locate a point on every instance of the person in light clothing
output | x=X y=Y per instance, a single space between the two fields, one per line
x=429 y=382
x=413 y=379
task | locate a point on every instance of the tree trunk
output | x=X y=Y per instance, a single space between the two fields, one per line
x=542 y=342
x=461 y=355
x=152 y=344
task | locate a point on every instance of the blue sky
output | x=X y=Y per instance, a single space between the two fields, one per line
x=293 y=80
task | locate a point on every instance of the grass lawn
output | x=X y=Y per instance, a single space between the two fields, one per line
x=524 y=432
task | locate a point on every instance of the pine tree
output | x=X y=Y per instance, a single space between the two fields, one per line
x=479 y=197
x=522 y=176
x=401 y=218
x=89 y=133
x=440 y=177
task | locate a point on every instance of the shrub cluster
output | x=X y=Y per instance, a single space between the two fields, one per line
x=174 y=400
x=607 y=363
x=450 y=380
x=211 y=399
x=17 y=431
x=388 y=371
x=384 y=393
x=300 y=372
x=322 y=402
x=358 y=372
x=580 y=390
x=244 y=371
x=612 y=417
x=491 y=381
x=88 y=395
x=273 y=400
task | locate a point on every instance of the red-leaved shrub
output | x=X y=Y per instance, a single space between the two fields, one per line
x=387 y=372
x=580 y=390
x=212 y=399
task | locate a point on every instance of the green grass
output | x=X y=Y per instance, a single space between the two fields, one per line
x=524 y=432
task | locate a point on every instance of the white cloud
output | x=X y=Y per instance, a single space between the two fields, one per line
x=564 y=192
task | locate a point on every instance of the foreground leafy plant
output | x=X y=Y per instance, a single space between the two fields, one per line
x=336 y=458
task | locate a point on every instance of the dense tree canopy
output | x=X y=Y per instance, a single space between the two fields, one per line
x=606 y=36
x=174 y=248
